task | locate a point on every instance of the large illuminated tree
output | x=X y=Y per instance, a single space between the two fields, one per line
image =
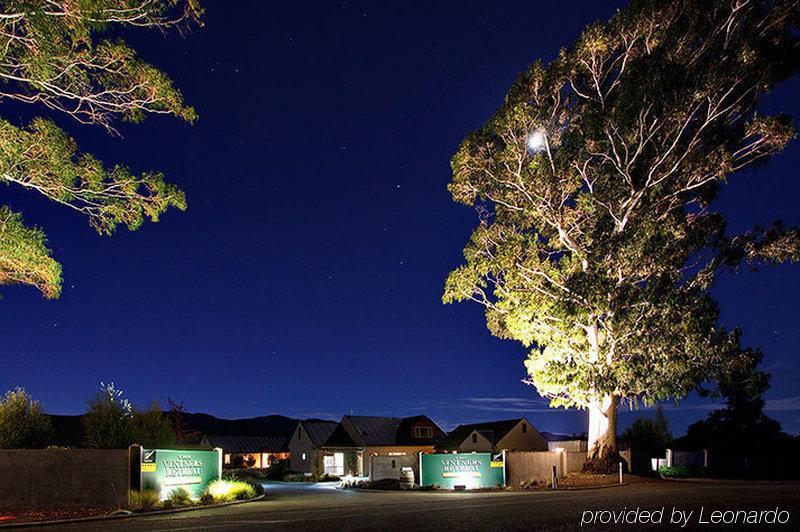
x=597 y=242
x=52 y=54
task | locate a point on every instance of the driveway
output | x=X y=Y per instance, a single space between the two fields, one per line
x=322 y=507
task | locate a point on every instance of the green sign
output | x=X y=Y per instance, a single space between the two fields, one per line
x=165 y=470
x=467 y=470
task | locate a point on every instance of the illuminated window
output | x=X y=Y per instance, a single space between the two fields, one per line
x=395 y=453
x=423 y=432
x=304 y=456
x=227 y=459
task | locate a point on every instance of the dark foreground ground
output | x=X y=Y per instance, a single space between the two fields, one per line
x=321 y=507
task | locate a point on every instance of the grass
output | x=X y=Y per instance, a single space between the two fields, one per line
x=230 y=490
x=144 y=500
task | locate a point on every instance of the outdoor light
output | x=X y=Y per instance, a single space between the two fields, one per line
x=537 y=141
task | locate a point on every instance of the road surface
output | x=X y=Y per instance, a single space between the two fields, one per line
x=322 y=507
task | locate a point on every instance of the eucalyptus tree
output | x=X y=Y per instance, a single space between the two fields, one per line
x=594 y=181
x=61 y=55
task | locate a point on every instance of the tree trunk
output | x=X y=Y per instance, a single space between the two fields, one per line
x=602 y=454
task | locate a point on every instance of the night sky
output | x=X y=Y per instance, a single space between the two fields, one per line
x=306 y=277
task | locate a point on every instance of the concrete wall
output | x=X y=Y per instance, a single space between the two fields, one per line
x=573 y=461
x=524 y=467
x=390 y=466
x=569 y=445
x=517 y=440
x=35 y=478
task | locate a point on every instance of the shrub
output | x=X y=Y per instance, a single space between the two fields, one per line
x=277 y=469
x=144 y=500
x=231 y=490
x=674 y=472
x=329 y=478
x=23 y=423
x=293 y=476
x=178 y=498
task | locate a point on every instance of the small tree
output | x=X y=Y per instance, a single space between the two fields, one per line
x=597 y=242
x=152 y=428
x=108 y=424
x=23 y=423
x=649 y=434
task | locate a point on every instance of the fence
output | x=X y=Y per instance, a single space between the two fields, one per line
x=528 y=467
x=38 y=478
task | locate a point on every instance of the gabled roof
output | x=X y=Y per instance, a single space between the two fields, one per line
x=248 y=444
x=319 y=431
x=362 y=431
x=494 y=431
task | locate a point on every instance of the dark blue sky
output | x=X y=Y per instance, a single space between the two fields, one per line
x=306 y=276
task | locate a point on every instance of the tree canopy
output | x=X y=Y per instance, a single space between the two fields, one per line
x=597 y=240
x=53 y=54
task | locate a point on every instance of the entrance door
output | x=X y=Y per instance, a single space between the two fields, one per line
x=333 y=464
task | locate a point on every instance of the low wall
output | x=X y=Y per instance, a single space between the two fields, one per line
x=36 y=478
x=573 y=461
x=523 y=467
x=390 y=466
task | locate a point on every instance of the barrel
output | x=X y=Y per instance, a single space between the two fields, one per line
x=406 y=478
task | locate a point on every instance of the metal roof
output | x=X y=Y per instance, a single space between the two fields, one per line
x=248 y=444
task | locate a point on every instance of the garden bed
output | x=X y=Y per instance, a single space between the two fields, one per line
x=13 y=516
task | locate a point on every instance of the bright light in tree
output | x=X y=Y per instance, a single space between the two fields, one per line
x=537 y=141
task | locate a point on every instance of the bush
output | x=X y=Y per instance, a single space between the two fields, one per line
x=144 y=500
x=294 y=476
x=178 y=498
x=231 y=490
x=23 y=423
x=277 y=469
x=674 y=472
x=329 y=478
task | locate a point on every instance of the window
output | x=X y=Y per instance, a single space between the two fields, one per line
x=474 y=438
x=304 y=456
x=524 y=428
x=227 y=459
x=334 y=464
x=393 y=464
x=423 y=432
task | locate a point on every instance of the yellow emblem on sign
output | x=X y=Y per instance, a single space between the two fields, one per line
x=496 y=464
x=149 y=468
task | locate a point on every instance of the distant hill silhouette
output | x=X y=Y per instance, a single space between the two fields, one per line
x=69 y=429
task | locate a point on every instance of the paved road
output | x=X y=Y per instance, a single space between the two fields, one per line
x=320 y=507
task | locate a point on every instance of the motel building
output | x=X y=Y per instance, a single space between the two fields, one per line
x=248 y=451
x=351 y=444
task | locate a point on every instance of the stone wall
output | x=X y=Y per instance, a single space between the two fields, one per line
x=36 y=478
x=390 y=466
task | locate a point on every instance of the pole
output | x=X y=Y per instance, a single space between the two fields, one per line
x=620 y=472
x=555 y=478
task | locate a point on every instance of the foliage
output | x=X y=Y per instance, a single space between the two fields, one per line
x=231 y=490
x=649 y=434
x=178 y=498
x=184 y=434
x=152 y=428
x=740 y=428
x=594 y=181
x=674 y=471
x=294 y=476
x=54 y=54
x=23 y=423
x=329 y=478
x=144 y=500
x=277 y=469
x=113 y=423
